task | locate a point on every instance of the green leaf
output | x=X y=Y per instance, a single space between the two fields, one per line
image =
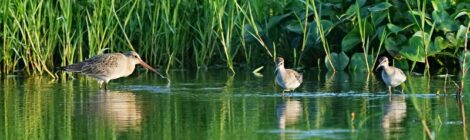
x=444 y=22
x=414 y=51
x=437 y=46
x=463 y=12
x=441 y=5
x=378 y=17
x=361 y=2
x=350 y=41
x=452 y=40
x=351 y=11
x=394 y=28
x=275 y=20
x=460 y=36
x=402 y=64
x=353 y=37
x=393 y=44
x=358 y=62
x=340 y=61
x=464 y=56
x=313 y=34
x=295 y=27
x=380 y=7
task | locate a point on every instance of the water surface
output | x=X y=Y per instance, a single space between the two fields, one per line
x=216 y=104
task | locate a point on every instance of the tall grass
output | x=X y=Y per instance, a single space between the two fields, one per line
x=37 y=36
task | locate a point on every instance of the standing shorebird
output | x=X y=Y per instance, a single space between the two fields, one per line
x=392 y=76
x=288 y=79
x=109 y=66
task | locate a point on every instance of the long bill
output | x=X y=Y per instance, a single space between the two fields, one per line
x=145 y=65
x=380 y=65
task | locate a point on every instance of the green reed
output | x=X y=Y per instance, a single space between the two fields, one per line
x=324 y=42
x=38 y=36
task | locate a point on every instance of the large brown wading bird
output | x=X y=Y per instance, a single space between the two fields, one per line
x=106 y=67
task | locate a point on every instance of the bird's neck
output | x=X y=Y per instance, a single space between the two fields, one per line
x=388 y=69
x=281 y=69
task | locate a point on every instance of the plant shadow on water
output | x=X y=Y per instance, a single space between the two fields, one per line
x=216 y=104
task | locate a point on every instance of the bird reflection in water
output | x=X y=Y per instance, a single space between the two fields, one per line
x=121 y=109
x=288 y=114
x=395 y=113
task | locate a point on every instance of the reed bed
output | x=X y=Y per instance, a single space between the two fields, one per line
x=38 y=36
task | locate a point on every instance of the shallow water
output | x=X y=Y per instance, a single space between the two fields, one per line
x=216 y=104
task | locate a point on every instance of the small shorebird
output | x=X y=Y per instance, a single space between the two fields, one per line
x=106 y=67
x=392 y=76
x=288 y=79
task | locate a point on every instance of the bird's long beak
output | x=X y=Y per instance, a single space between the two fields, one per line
x=145 y=65
x=378 y=66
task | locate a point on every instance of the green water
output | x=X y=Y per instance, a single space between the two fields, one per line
x=217 y=105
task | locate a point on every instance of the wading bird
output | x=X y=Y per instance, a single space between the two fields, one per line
x=106 y=67
x=288 y=79
x=391 y=76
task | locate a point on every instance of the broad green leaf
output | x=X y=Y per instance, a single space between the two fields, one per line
x=361 y=2
x=275 y=20
x=351 y=10
x=380 y=32
x=340 y=61
x=452 y=40
x=327 y=26
x=358 y=62
x=350 y=40
x=460 y=36
x=394 y=28
x=402 y=64
x=437 y=46
x=353 y=37
x=418 y=13
x=414 y=51
x=295 y=27
x=393 y=44
x=441 y=5
x=463 y=12
x=380 y=7
x=379 y=16
x=313 y=34
x=444 y=22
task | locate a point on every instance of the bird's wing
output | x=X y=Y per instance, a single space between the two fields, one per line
x=78 y=67
x=297 y=75
x=401 y=73
x=99 y=65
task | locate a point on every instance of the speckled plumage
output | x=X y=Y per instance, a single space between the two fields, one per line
x=391 y=76
x=109 y=66
x=287 y=79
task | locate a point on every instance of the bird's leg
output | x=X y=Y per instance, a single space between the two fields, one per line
x=390 y=90
x=283 y=93
x=101 y=84
x=105 y=85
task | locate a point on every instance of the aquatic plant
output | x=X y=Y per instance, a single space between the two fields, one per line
x=37 y=36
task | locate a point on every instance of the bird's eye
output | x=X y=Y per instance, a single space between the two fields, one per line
x=135 y=56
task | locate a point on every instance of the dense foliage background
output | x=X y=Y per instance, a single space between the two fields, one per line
x=37 y=36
